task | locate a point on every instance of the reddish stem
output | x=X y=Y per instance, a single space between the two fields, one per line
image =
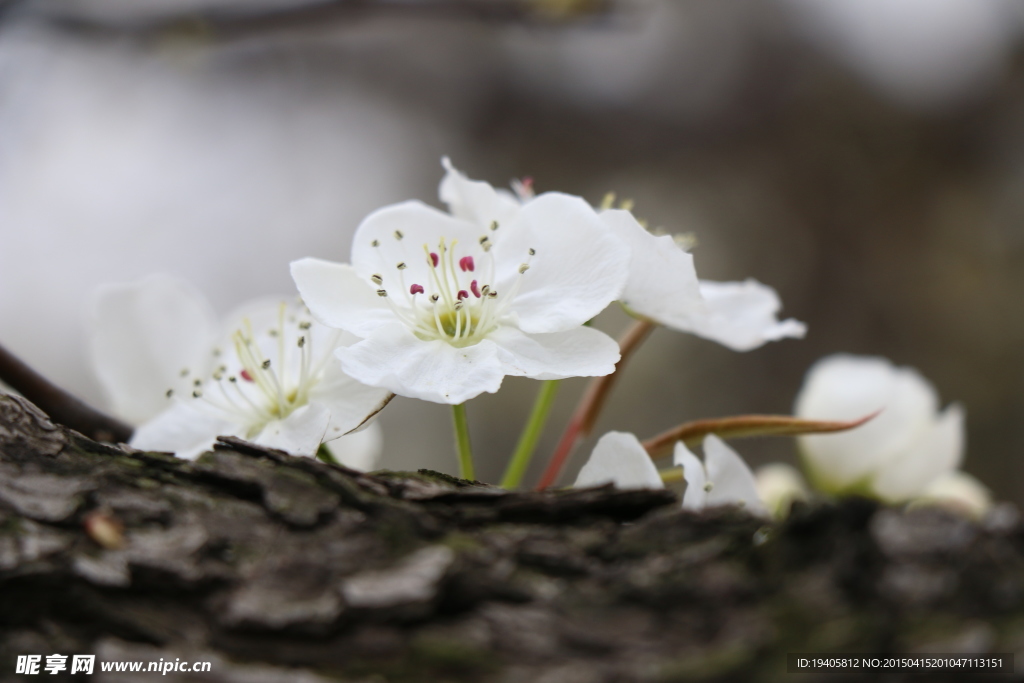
x=592 y=402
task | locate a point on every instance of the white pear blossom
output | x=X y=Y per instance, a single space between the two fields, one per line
x=895 y=456
x=664 y=287
x=778 y=486
x=662 y=283
x=620 y=459
x=446 y=305
x=722 y=479
x=270 y=378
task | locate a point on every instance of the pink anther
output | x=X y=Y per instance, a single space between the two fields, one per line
x=416 y=289
x=466 y=263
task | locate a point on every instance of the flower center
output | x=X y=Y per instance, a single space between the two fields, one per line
x=457 y=302
x=260 y=388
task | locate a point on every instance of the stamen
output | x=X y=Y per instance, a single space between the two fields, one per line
x=434 y=297
x=416 y=289
x=523 y=268
x=382 y=292
x=197 y=383
x=475 y=288
x=466 y=264
x=265 y=364
x=197 y=394
x=301 y=342
x=485 y=242
x=377 y=279
x=494 y=225
x=708 y=486
x=401 y=266
x=170 y=392
x=375 y=243
x=305 y=325
x=533 y=252
x=184 y=372
x=398 y=234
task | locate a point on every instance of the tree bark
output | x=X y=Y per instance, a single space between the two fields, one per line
x=278 y=568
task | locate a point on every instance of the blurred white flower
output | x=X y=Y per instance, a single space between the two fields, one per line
x=896 y=455
x=959 y=492
x=270 y=379
x=778 y=486
x=447 y=305
x=722 y=479
x=620 y=459
x=663 y=286
x=919 y=52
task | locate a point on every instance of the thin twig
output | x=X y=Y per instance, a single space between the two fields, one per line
x=741 y=426
x=62 y=407
x=592 y=402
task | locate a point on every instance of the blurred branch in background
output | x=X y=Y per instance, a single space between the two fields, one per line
x=235 y=19
x=62 y=407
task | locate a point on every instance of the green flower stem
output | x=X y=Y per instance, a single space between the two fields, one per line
x=531 y=433
x=323 y=454
x=462 y=446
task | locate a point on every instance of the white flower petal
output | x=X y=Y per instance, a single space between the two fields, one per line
x=475 y=200
x=696 y=494
x=742 y=315
x=845 y=387
x=395 y=359
x=732 y=481
x=359 y=450
x=662 y=282
x=579 y=352
x=351 y=402
x=182 y=430
x=143 y=335
x=778 y=486
x=620 y=459
x=300 y=433
x=936 y=453
x=579 y=267
x=419 y=226
x=338 y=297
x=957 y=491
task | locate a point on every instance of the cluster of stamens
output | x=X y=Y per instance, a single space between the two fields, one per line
x=457 y=304
x=263 y=389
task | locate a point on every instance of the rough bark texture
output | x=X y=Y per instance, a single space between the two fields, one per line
x=277 y=568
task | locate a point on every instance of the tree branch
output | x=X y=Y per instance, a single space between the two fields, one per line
x=62 y=407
